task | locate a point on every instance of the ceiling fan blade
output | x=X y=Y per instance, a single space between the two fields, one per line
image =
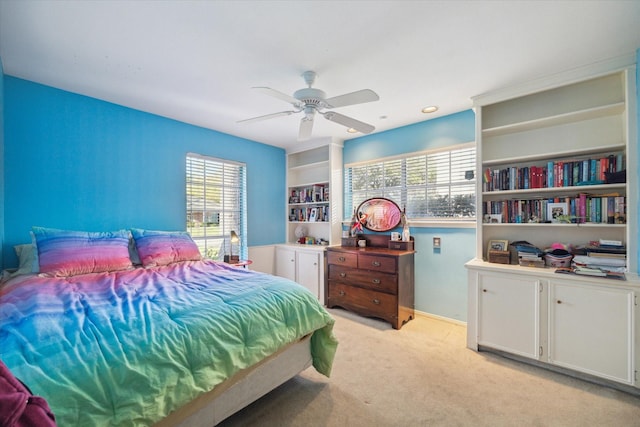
x=306 y=124
x=277 y=94
x=358 y=97
x=348 y=122
x=268 y=116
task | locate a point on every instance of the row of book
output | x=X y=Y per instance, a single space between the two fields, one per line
x=561 y=173
x=309 y=214
x=607 y=209
x=311 y=194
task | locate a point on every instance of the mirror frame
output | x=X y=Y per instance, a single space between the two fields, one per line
x=379 y=214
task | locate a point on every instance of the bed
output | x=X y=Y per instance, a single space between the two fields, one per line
x=154 y=335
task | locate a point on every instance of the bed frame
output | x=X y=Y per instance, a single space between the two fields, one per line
x=244 y=388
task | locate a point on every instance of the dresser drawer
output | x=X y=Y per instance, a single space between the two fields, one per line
x=343 y=258
x=364 y=301
x=376 y=280
x=377 y=263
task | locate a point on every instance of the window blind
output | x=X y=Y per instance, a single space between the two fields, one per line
x=216 y=194
x=432 y=185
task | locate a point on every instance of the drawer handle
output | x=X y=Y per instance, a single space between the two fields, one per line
x=343 y=274
x=376 y=281
x=342 y=259
x=376 y=301
x=341 y=293
x=376 y=263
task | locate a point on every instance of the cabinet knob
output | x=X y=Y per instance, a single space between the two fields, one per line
x=376 y=301
x=343 y=274
x=292 y=260
x=484 y=290
x=559 y=302
x=376 y=263
x=341 y=293
x=341 y=259
x=376 y=281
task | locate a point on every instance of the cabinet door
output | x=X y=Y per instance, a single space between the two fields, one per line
x=308 y=271
x=590 y=330
x=286 y=262
x=509 y=313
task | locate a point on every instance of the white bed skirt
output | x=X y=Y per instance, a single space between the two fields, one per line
x=243 y=388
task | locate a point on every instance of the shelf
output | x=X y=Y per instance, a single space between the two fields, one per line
x=554 y=224
x=574 y=116
x=324 y=163
x=569 y=154
x=576 y=189
x=310 y=203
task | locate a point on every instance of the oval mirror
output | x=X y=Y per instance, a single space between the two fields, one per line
x=379 y=214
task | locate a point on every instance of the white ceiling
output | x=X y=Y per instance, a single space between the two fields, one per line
x=196 y=61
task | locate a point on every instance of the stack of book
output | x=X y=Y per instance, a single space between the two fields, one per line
x=605 y=258
x=528 y=254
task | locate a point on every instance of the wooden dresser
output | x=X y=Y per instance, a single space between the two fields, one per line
x=373 y=281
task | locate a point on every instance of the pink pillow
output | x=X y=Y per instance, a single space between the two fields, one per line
x=68 y=253
x=157 y=248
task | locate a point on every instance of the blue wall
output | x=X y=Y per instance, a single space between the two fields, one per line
x=1 y=161
x=75 y=162
x=441 y=279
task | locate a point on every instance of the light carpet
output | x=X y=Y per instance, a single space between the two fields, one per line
x=423 y=375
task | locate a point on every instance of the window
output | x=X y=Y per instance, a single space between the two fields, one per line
x=216 y=205
x=434 y=185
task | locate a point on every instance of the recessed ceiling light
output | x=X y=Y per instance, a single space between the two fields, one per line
x=430 y=109
x=352 y=130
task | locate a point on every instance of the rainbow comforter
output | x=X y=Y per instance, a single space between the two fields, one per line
x=127 y=348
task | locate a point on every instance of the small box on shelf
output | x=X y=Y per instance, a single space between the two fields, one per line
x=350 y=241
x=499 y=257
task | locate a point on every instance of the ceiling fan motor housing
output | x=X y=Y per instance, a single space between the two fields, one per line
x=311 y=97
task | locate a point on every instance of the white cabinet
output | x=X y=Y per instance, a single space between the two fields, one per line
x=570 y=141
x=314 y=192
x=304 y=265
x=286 y=262
x=591 y=329
x=584 y=324
x=509 y=313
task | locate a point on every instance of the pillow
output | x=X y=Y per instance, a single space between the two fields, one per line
x=27 y=259
x=68 y=253
x=157 y=248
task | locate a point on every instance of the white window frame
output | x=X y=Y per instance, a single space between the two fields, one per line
x=221 y=198
x=398 y=193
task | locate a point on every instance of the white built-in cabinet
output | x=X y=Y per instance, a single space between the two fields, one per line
x=313 y=204
x=509 y=313
x=303 y=265
x=590 y=329
x=587 y=325
x=583 y=325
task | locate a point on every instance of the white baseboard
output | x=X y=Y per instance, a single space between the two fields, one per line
x=444 y=319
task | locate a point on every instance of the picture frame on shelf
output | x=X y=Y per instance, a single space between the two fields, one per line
x=493 y=218
x=555 y=211
x=498 y=245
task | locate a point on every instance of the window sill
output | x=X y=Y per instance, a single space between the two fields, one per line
x=436 y=224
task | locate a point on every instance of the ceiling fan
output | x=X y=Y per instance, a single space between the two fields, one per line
x=311 y=101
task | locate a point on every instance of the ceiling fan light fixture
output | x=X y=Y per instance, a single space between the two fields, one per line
x=430 y=109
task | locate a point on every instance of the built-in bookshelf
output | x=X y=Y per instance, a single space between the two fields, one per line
x=314 y=180
x=555 y=165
